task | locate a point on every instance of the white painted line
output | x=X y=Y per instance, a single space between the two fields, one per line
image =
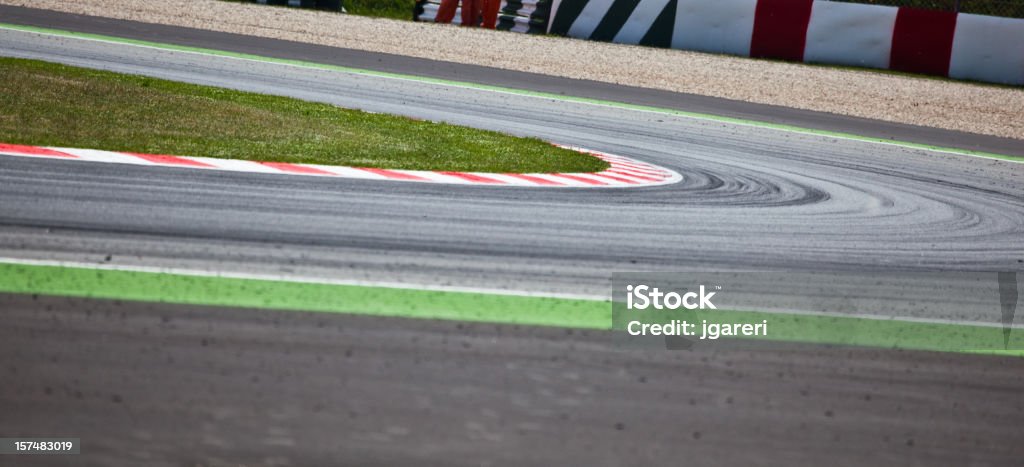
x=295 y=279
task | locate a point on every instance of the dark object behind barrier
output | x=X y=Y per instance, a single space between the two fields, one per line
x=418 y=9
x=332 y=5
x=329 y=5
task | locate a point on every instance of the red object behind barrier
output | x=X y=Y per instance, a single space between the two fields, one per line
x=490 y=13
x=780 y=29
x=446 y=12
x=923 y=41
x=471 y=10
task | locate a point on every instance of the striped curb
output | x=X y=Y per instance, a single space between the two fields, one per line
x=623 y=171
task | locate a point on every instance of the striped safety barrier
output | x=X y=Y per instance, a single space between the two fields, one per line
x=963 y=46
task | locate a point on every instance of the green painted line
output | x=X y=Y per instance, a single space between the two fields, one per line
x=851 y=331
x=476 y=307
x=299 y=296
x=519 y=92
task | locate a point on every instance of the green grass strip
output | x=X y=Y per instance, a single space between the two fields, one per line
x=520 y=92
x=477 y=307
x=299 y=296
x=49 y=104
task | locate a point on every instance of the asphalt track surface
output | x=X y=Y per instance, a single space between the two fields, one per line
x=138 y=381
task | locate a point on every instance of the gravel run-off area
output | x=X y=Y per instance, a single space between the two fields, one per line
x=976 y=108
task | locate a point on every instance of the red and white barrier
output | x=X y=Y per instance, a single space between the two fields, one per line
x=780 y=28
x=850 y=34
x=922 y=41
x=932 y=42
x=720 y=26
x=987 y=48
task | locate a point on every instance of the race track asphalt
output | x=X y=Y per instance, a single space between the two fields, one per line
x=305 y=389
x=155 y=384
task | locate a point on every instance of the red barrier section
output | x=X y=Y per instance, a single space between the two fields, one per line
x=780 y=29
x=923 y=41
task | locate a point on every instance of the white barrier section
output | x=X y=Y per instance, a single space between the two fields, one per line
x=850 y=34
x=529 y=6
x=430 y=13
x=988 y=48
x=589 y=18
x=522 y=24
x=640 y=21
x=719 y=26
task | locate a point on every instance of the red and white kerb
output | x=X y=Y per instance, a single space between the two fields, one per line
x=623 y=171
